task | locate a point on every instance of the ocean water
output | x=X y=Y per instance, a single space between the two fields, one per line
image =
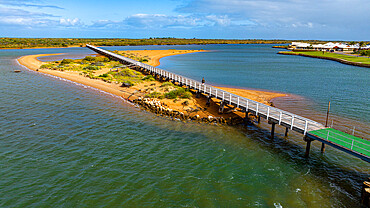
x=66 y=145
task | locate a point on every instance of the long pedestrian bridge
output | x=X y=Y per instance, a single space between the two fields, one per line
x=311 y=130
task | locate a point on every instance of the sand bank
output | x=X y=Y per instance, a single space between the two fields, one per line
x=196 y=106
x=155 y=55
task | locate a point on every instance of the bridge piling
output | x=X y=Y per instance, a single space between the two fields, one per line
x=221 y=108
x=308 y=146
x=208 y=103
x=286 y=131
x=322 y=147
x=272 y=129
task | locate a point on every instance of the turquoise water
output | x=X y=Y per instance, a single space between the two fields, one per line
x=67 y=145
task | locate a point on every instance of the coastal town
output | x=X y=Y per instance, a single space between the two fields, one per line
x=330 y=46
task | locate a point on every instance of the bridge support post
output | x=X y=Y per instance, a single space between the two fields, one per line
x=222 y=107
x=286 y=131
x=308 y=146
x=246 y=119
x=208 y=103
x=197 y=94
x=322 y=147
x=258 y=119
x=272 y=129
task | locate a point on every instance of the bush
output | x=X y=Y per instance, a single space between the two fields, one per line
x=365 y=53
x=178 y=92
x=91 y=68
x=89 y=59
x=165 y=84
x=126 y=73
x=155 y=95
x=103 y=75
x=186 y=95
x=46 y=66
x=95 y=59
x=148 y=78
x=66 y=61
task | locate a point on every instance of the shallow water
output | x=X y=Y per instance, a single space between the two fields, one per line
x=63 y=144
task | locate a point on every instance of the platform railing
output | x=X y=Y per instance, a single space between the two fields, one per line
x=352 y=142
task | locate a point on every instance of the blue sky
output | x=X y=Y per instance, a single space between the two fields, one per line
x=230 y=19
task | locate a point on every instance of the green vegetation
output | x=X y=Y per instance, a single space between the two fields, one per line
x=89 y=65
x=66 y=61
x=148 y=78
x=363 y=60
x=81 y=42
x=364 y=53
x=167 y=84
x=178 y=92
x=96 y=59
x=155 y=95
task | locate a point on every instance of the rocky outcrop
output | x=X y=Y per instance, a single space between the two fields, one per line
x=155 y=106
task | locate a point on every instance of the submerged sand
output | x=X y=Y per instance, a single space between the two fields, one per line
x=136 y=91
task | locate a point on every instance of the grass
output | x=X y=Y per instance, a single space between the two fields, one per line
x=355 y=59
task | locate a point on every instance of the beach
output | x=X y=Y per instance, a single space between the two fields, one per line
x=196 y=107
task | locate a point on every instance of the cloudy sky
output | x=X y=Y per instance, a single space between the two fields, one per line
x=241 y=19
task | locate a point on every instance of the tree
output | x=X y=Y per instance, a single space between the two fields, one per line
x=360 y=44
x=352 y=43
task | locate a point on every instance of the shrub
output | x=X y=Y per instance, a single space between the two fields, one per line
x=148 y=78
x=46 y=66
x=365 y=53
x=89 y=58
x=103 y=75
x=91 y=68
x=186 y=95
x=165 y=84
x=155 y=95
x=143 y=60
x=66 y=61
x=126 y=73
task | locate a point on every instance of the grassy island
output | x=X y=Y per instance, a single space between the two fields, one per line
x=343 y=58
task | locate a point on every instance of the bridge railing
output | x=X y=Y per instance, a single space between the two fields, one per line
x=292 y=120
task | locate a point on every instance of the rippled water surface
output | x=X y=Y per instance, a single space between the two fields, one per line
x=66 y=145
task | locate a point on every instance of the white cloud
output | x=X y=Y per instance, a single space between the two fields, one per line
x=285 y=13
x=70 y=22
x=223 y=20
x=160 y=20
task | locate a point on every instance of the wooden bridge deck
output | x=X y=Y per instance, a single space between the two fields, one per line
x=272 y=114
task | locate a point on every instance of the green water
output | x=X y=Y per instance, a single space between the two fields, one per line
x=66 y=145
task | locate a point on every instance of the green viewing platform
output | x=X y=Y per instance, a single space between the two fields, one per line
x=337 y=138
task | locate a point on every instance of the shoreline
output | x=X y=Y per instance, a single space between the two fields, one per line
x=197 y=110
x=327 y=58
